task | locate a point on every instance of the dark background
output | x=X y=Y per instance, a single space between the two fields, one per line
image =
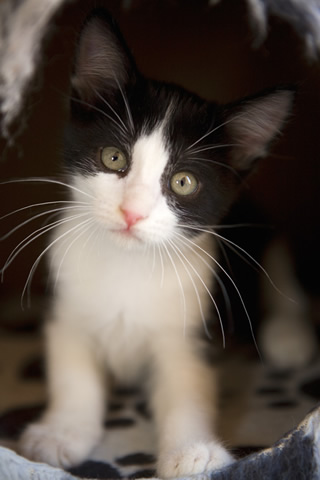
x=209 y=50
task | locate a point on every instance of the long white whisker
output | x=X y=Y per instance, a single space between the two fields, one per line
x=153 y=266
x=237 y=247
x=83 y=229
x=127 y=106
x=221 y=164
x=42 y=204
x=91 y=235
x=33 y=236
x=94 y=232
x=162 y=266
x=188 y=243
x=226 y=226
x=181 y=254
x=213 y=147
x=181 y=257
x=103 y=113
x=213 y=130
x=236 y=289
x=121 y=124
x=24 y=243
x=224 y=254
x=258 y=265
x=51 y=263
x=180 y=287
x=46 y=180
x=235 y=250
x=37 y=261
x=39 y=215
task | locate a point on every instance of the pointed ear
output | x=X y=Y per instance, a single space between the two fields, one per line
x=254 y=123
x=103 y=61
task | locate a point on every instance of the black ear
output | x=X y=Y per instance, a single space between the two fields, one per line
x=252 y=124
x=103 y=62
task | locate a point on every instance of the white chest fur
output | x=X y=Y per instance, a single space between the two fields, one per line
x=129 y=286
x=128 y=300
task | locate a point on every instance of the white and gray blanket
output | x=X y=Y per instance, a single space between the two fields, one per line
x=258 y=405
x=295 y=457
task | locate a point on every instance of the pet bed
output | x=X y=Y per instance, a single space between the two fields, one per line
x=258 y=405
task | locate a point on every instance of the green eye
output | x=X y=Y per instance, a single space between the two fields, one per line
x=184 y=183
x=114 y=159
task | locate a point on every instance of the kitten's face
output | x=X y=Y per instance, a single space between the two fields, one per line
x=127 y=190
x=140 y=166
x=152 y=158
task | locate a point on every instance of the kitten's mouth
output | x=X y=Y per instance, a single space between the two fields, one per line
x=128 y=234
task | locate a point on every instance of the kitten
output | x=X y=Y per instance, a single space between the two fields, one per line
x=152 y=169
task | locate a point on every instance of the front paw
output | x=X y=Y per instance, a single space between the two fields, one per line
x=193 y=459
x=58 y=444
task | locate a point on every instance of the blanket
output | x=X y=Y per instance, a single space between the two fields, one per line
x=258 y=405
x=296 y=456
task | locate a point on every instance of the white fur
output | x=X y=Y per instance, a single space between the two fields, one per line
x=126 y=306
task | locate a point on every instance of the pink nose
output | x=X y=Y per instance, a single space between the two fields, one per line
x=131 y=218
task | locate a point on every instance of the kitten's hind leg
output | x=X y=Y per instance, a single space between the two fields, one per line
x=72 y=424
x=184 y=407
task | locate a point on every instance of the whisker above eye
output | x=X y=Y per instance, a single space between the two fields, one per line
x=103 y=113
x=212 y=147
x=104 y=100
x=221 y=164
x=126 y=103
x=212 y=131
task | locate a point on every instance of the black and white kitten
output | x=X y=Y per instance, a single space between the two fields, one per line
x=152 y=170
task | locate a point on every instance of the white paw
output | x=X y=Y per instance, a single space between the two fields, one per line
x=287 y=342
x=192 y=459
x=59 y=445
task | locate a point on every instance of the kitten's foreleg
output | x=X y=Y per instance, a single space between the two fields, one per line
x=72 y=423
x=184 y=407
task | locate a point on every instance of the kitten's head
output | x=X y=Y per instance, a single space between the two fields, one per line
x=151 y=158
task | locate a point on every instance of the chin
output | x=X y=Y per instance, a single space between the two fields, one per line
x=128 y=240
